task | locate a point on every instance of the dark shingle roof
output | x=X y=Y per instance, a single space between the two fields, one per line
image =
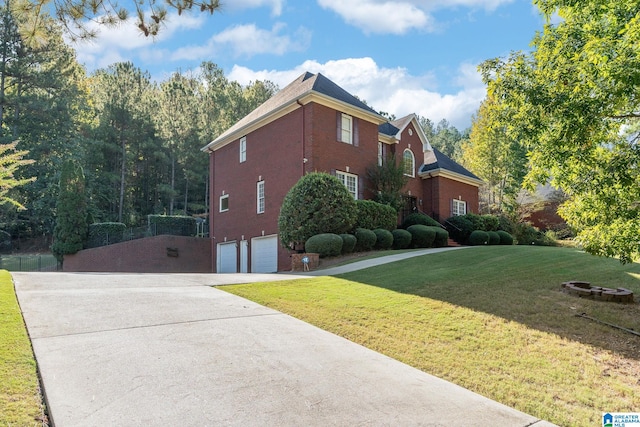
x=326 y=87
x=388 y=129
x=444 y=162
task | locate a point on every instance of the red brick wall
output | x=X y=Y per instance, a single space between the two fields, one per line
x=148 y=255
x=439 y=193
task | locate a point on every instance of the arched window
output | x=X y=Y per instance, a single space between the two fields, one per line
x=409 y=163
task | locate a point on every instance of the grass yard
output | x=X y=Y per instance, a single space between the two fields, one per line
x=20 y=400
x=491 y=319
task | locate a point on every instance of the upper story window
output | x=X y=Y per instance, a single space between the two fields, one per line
x=260 y=197
x=380 y=153
x=243 y=149
x=224 y=203
x=459 y=207
x=409 y=163
x=350 y=181
x=346 y=128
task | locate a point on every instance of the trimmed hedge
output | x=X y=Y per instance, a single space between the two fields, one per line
x=505 y=238
x=372 y=215
x=366 y=239
x=478 y=237
x=105 y=233
x=419 y=218
x=494 y=238
x=401 y=238
x=460 y=228
x=175 y=225
x=384 y=238
x=348 y=243
x=422 y=236
x=325 y=244
x=442 y=237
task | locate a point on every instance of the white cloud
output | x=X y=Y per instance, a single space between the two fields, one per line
x=399 y=16
x=247 y=41
x=392 y=90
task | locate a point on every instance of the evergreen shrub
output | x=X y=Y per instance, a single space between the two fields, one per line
x=384 y=238
x=366 y=239
x=494 y=238
x=422 y=236
x=174 y=225
x=505 y=238
x=348 y=243
x=325 y=244
x=478 y=237
x=105 y=233
x=419 y=218
x=372 y=215
x=442 y=237
x=401 y=238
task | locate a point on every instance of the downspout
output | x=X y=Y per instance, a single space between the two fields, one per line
x=304 y=160
x=211 y=199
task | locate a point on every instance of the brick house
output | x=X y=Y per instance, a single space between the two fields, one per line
x=314 y=125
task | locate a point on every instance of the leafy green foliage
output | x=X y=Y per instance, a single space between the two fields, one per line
x=177 y=225
x=105 y=233
x=505 y=238
x=526 y=234
x=422 y=236
x=478 y=237
x=372 y=215
x=384 y=238
x=442 y=237
x=387 y=182
x=348 y=243
x=419 y=218
x=317 y=203
x=70 y=232
x=325 y=244
x=366 y=239
x=460 y=227
x=573 y=102
x=10 y=161
x=401 y=238
x=494 y=237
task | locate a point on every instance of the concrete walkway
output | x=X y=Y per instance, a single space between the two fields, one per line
x=170 y=350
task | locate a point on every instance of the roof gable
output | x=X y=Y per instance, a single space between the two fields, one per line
x=306 y=88
x=444 y=162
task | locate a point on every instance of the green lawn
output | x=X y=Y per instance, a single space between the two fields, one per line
x=491 y=319
x=20 y=400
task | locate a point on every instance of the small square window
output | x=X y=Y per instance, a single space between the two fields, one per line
x=459 y=207
x=224 y=203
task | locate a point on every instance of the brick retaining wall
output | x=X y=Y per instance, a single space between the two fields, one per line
x=158 y=254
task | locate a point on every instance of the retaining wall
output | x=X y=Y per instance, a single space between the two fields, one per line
x=158 y=254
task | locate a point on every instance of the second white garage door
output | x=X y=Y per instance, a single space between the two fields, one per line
x=264 y=254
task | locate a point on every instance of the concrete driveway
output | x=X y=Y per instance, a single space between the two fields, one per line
x=171 y=350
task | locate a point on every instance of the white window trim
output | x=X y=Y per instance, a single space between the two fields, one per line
x=223 y=197
x=342 y=176
x=260 y=199
x=243 y=149
x=346 y=133
x=380 y=153
x=459 y=207
x=413 y=163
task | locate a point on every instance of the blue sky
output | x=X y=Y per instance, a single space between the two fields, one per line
x=400 y=56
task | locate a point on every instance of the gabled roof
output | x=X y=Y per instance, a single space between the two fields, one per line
x=446 y=166
x=307 y=88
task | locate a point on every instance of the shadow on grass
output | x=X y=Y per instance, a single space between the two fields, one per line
x=522 y=284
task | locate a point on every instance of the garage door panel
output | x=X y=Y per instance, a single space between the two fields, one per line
x=227 y=258
x=264 y=254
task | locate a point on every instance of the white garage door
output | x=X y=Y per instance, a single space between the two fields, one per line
x=264 y=254
x=227 y=258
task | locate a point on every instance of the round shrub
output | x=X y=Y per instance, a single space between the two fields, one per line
x=478 y=237
x=384 y=238
x=372 y=215
x=348 y=243
x=505 y=238
x=422 y=236
x=459 y=228
x=494 y=238
x=366 y=239
x=317 y=203
x=325 y=244
x=442 y=237
x=490 y=222
x=401 y=238
x=419 y=218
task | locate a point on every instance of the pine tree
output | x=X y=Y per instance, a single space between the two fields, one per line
x=71 y=223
